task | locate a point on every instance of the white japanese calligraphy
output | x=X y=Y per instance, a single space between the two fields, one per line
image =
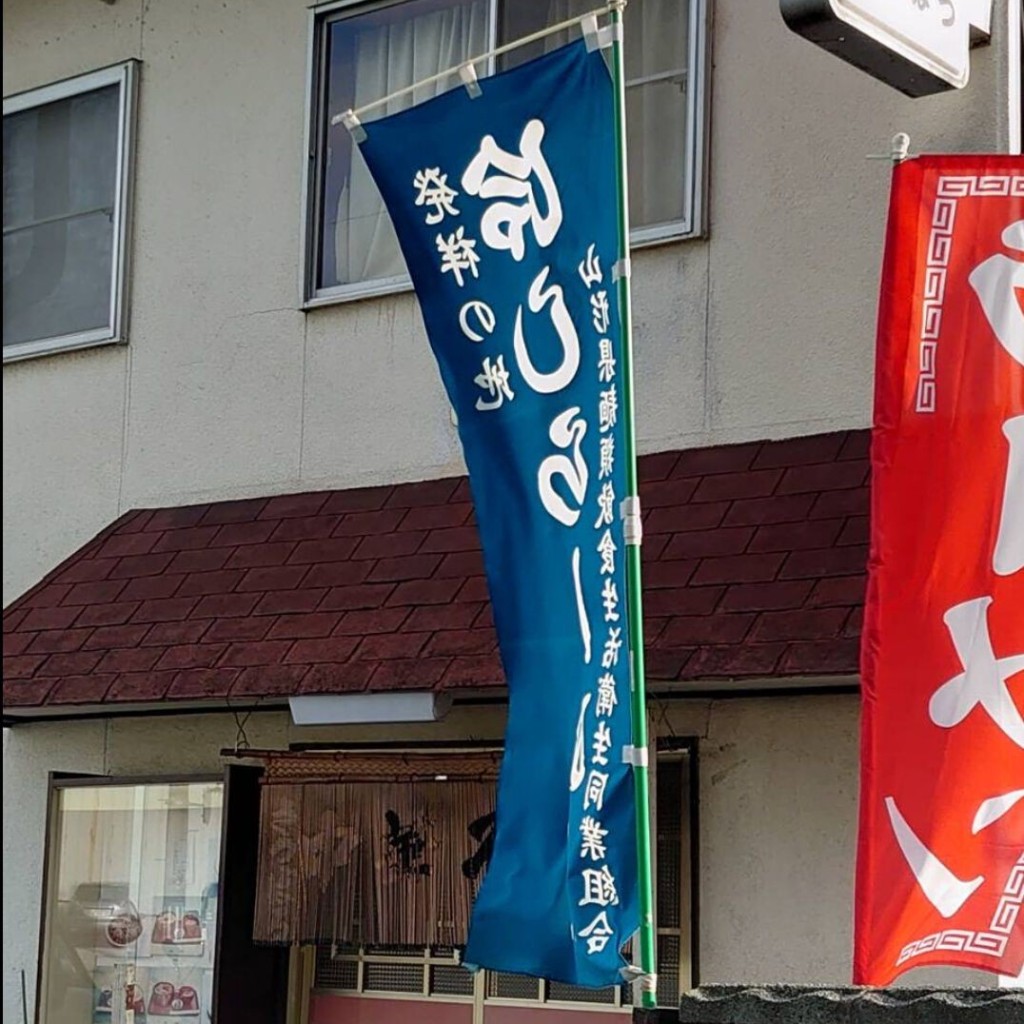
x=606 y=696
x=592 y=837
x=458 y=253
x=434 y=191
x=597 y=933
x=608 y=409
x=581 y=607
x=943 y=890
x=562 y=375
x=1008 y=556
x=983 y=681
x=590 y=268
x=602 y=740
x=610 y=654
x=593 y=794
x=994 y=282
x=482 y=314
x=599 y=311
x=598 y=887
x=503 y=222
x=606 y=548
x=567 y=429
x=579 y=755
x=606 y=361
x=607 y=454
x=610 y=600
x=992 y=809
x=605 y=506
x=493 y=378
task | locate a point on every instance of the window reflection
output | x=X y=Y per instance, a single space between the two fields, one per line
x=131 y=903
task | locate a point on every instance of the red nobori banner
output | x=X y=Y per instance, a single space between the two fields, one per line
x=940 y=872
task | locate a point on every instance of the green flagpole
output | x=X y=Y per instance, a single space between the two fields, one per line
x=631 y=512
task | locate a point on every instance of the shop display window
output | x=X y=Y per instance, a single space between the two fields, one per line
x=129 y=926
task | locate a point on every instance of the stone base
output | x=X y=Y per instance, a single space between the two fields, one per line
x=793 y=1004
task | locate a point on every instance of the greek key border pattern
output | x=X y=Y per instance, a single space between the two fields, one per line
x=985 y=943
x=940 y=243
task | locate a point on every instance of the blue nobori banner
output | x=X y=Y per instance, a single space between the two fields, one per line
x=505 y=208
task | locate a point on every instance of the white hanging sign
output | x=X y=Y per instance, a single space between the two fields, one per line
x=917 y=46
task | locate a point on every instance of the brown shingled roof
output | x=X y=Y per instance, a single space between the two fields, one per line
x=754 y=566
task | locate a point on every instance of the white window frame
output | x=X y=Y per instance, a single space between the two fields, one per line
x=125 y=76
x=692 y=225
x=479 y=996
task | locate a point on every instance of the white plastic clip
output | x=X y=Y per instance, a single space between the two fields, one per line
x=641 y=981
x=636 y=756
x=598 y=38
x=468 y=75
x=899 y=149
x=621 y=268
x=647 y=983
x=632 y=524
x=352 y=123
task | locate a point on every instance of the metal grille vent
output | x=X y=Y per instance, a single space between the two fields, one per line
x=332 y=973
x=511 y=986
x=668 y=970
x=670 y=842
x=385 y=977
x=560 y=992
x=450 y=981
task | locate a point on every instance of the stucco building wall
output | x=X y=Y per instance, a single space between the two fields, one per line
x=227 y=389
x=777 y=798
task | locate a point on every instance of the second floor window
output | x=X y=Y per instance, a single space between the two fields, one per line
x=66 y=164
x=365 y=51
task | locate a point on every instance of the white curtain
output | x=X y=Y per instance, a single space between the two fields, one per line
x=412 y=41
x=656 y=113
x=389 y=56
x=657 y=35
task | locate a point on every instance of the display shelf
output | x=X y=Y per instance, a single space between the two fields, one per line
x=188 y=963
